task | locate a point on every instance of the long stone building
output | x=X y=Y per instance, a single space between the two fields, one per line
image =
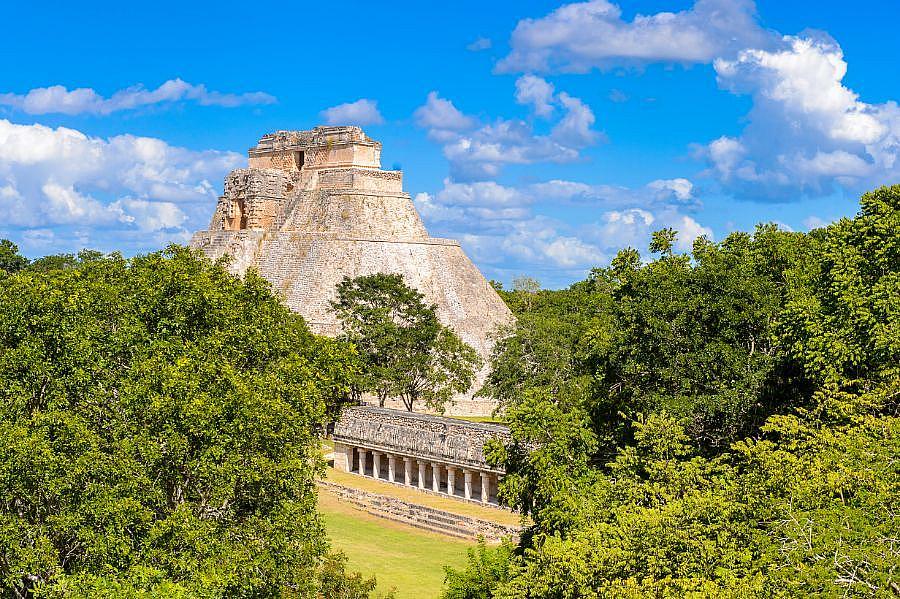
x=315 y=206
x=442 y=455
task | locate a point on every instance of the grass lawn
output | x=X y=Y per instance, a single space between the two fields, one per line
x=484 y=419
x=439 y=502
x=408 y=559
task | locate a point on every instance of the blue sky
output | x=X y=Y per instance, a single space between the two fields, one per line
x=545 y=136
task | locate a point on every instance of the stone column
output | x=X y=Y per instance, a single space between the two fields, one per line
x=485 y=487
x=376 y=464
x=362 y=461
x=392 y=468
x=467 y=486
x=435 y=477
x=451 y=480
x=407 y=471
x=343 y=457
x=421 y=474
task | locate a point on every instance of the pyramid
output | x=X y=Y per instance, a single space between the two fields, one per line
x=315 y=206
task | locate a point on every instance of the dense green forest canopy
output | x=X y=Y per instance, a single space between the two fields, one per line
x=160 y=426
x=723 y=423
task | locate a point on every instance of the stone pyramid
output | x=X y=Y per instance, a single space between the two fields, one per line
x=315 y=206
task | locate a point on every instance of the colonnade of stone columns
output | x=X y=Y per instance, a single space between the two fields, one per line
x=424 y=474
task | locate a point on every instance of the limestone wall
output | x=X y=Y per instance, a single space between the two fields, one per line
x=423 y=436
x=307 y=222
x=322 y=147
x=354 y=215
x=361 y=178
x=253 y=199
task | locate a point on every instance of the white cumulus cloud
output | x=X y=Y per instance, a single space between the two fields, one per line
x=441 y=116
x=55 y=181
x=479 y=151
x=84 y=100
x=504 y=225
x=682 y=189
x=581 y=36
x=537 y=92
x=633 y=227
x=362 y=112
x=807 y=131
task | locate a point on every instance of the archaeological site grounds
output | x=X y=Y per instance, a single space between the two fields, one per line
x=584 y=299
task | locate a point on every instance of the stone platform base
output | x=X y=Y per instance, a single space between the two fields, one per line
x=420 y=516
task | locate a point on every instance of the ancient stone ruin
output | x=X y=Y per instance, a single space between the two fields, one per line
x=315 y=206
x=442 y=455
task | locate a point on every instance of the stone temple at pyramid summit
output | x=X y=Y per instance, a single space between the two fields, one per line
x=315 y=206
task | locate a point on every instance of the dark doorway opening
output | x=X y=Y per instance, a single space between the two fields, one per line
x=298 y=160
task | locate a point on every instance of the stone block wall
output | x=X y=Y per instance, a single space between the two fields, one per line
x=360 y=178
x=306 y=228
x=253 y=199
x=423 y=436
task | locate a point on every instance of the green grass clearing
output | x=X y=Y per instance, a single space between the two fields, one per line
x=454 y=506
x=401 y=557
x=484 y=419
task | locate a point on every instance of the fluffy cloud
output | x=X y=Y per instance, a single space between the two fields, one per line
x=498 y=227
x=491 y=205
x=503 y=226
x=677 y=193
x=582 y=36
x=807 y=131
x=441 y=117
x=545 y=245
x=361 y=112
x=681 y=189
x=148 y=215
x=58 y=99
x=634 y=226
x=537 y=92
x=575 y=130
x=479 y=151
x=56 y=182
x=807 y=134
x=543 y=241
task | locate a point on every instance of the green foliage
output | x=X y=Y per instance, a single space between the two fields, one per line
x=336 y=583
x=11 y=261
x=59 y=261
x=543 y=351
x=842 y=319
x=739 y=436
x=526 y=285
x=663 y=241
x=405 y=350
x=694 y=336
x=159 y=424
x=487 y=568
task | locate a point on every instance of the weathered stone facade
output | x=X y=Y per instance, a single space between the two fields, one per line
x=433 y=451
x=314 y=206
